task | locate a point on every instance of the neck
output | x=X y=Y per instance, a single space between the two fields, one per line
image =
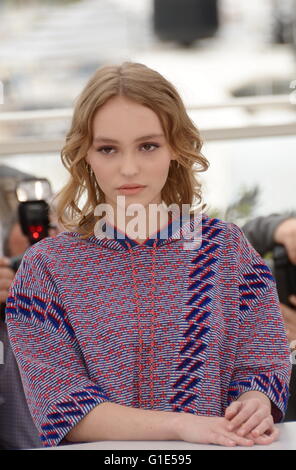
x=142 y=224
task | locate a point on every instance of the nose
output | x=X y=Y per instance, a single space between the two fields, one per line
x=129 y=165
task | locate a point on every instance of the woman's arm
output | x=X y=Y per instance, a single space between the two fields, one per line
x=110 y=421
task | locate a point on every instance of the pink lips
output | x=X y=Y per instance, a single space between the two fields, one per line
x=131 y=186
x=130 y=189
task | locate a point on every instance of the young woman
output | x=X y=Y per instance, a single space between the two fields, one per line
x=125 y=334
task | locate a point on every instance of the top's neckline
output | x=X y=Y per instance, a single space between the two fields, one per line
x=176 y=229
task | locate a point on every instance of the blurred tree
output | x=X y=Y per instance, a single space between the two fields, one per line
x=241 y=209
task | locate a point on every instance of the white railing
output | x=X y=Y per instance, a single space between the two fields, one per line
x=53 y=145
x=283 y=101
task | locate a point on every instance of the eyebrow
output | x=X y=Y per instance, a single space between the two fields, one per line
x=144 y=137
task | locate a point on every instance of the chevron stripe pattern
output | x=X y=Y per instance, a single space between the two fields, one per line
x=198 y=333
x=270 y=384
x=37 y=308
x=255 y=281
x=74 y=329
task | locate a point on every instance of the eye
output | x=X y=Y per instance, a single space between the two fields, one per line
x=106 y=150
x=149 y=146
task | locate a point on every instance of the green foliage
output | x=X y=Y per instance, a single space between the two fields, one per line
x=240 y=210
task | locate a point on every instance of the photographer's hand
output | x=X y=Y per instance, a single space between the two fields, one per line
x=6 y=278
x=285 y=234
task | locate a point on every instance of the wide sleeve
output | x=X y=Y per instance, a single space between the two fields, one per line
x=58 y=389
x=262 y=360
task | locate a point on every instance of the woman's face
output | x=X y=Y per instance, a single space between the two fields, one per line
x=129 y=148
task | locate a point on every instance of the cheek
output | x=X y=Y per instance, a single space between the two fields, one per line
x=104 y=175
x=97 y=167
x=161 y=167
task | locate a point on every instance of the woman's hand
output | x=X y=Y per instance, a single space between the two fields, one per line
x=209 y=430
x=250 y=416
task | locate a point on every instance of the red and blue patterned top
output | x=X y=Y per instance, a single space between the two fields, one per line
x=152 y=326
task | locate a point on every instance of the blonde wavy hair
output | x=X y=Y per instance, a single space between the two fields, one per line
x=76 y=202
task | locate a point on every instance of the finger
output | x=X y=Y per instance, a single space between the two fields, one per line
x=263 y=427
x=261 y=440
x=242 y=440
x=222 y=440
x=243 y=415
x=233 y=436
x=232 y=409
x=265 y=439
x=256 y=419
x=231 y=439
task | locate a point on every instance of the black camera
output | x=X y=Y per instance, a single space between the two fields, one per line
x=33 y=211
x=284 y=274
x=33 y=215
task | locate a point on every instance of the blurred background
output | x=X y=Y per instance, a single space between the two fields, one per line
x=233 y=62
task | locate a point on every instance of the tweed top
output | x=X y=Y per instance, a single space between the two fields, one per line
x=151 y=325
